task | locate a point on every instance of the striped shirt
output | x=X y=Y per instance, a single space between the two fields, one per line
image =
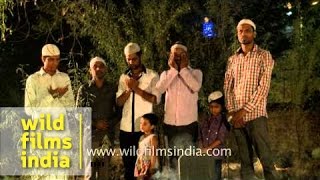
x=247 y=82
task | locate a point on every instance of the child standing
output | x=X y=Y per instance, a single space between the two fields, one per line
x=213 y=130
x=147 y=161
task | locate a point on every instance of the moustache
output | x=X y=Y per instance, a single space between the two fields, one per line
x=245 y=41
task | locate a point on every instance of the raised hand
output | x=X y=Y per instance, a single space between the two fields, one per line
x=62 y=90
x=184 y=60
x=58 y=92
x=132 y=84
x=171 y=62
x=102 y=125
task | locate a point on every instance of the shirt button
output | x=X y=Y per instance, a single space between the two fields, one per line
x=216 y=132
x=208 y=130
x=207 y=138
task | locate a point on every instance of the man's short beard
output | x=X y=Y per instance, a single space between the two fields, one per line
x=135 y=67
x=246 y=42
x=100 y=78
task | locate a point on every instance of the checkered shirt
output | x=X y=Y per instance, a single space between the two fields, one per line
x=247 y=82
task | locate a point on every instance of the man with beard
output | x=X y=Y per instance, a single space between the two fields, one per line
x=99 y=94
x=137 y=94
x=181 y=84
x=246 y=86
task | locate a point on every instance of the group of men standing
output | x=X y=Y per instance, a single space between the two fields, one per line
x=247 y=82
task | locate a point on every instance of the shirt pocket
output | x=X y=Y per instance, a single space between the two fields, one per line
x=253 y=69
x=236 y=68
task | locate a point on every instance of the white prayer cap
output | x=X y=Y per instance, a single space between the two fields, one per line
x=247 y=21
x=50 y=50
x=97 y=59
x=214 y=96
x=178 y=45
x=131 y=48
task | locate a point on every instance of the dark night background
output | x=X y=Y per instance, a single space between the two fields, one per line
x=82 y=29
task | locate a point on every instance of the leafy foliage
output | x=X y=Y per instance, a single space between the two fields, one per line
x=297 y=70
x=89 y=28
x=155 y=25
x=84 y=29
x=5 y=9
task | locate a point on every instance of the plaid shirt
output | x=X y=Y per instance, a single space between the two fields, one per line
x=210 y=131
x=247 y=82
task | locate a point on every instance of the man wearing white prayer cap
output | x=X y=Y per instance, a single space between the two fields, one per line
x=181 y=84
x=137 y=94
x=100 y=94
x=247 y=21
x=48 y=87
x=246 y=87
x=50 y=50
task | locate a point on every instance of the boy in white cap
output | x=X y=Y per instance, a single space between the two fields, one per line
x=100 y=95
x=137 y=94
x=246 y=87
x=48 y=87
x=213 y=131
